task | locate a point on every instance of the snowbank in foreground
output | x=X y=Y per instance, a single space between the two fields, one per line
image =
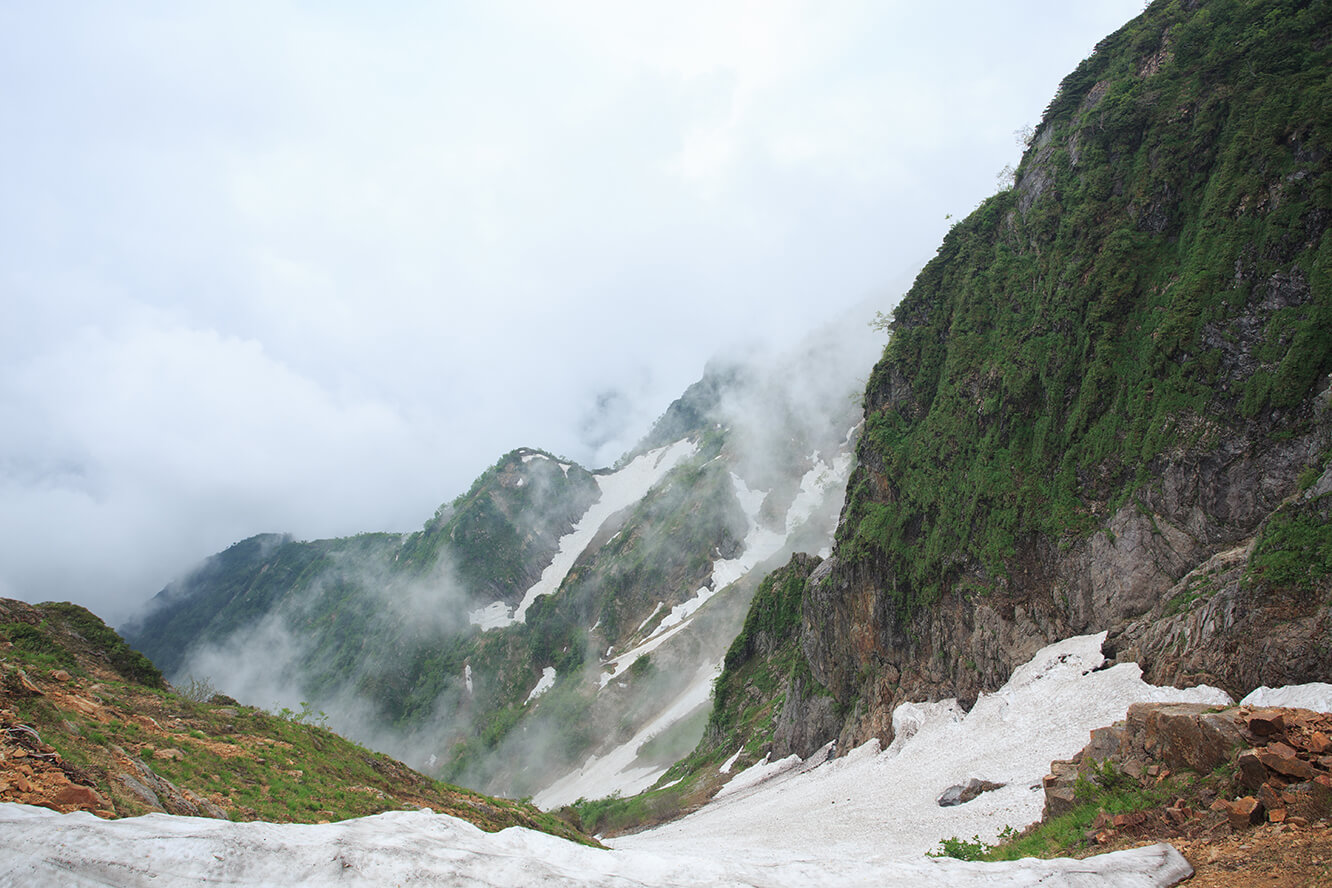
x=419 y=848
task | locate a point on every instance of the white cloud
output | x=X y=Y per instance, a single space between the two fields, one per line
x=272 y=266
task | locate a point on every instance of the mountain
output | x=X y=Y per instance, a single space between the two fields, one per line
x=543 y=627
x=1105 y=401
x=88 y=724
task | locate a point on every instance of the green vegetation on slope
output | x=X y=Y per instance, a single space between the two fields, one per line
x=1158 y=277
x=70 y=680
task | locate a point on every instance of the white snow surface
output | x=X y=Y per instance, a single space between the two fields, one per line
x=886 y=800
x=495 y=615
x=620 y=770
x=860 y=820
x=618 y=665
x=1316 y=696
x=43 y=849
x=545 y=683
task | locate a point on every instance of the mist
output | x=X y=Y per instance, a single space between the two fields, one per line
x=272 y=267
x=371 y=633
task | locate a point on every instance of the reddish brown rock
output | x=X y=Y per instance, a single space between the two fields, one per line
x=1318 y=743
x=1245 y=812
x=1284 y=750
x=1183 y=735
x=1266 y=722
x=1179 y=815
x=1287 y=765
x=1253 y=773
x=1270 y=796
x=76 y=797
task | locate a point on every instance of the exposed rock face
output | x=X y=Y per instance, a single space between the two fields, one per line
x=160 y=793
x=1216 y=626
x=1164 y=520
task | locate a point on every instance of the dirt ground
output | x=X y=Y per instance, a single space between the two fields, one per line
x=1274 y=854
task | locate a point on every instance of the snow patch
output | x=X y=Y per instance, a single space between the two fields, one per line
x=618 y=491
x=467 y=676
x=1316 y=696
x=730 y=762
x=656 y=610
x=620 y=770
x=545 y=683
x=495 y=615
x=618 y=665
x=682 y=611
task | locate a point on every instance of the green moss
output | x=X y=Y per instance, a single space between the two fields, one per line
x=1051 y=351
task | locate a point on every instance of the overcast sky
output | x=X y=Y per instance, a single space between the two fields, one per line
x=312 y=266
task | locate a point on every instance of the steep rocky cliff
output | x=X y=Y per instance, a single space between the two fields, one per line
x=1105 y=402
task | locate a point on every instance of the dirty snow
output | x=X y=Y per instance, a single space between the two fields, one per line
x=43 y=849
x=467 y=676
x=1316 y=696
x=545 y=683
x=861 y=800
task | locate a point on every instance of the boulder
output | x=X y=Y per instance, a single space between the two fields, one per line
x=1244 y=812
x=961 y=793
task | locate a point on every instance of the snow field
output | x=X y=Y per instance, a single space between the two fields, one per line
x=1316 y=696
x=886 y=800
x=410 y=848
x=545 y=683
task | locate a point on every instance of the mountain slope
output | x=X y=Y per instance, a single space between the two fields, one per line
x=86 y=723
x=549 y=623
x=1110 y=374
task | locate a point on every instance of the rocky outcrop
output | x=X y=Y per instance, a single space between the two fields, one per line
x=33 y=773
x=1280 y=758
x=159 y=793
x=1223 y=625
x=1008 y=494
